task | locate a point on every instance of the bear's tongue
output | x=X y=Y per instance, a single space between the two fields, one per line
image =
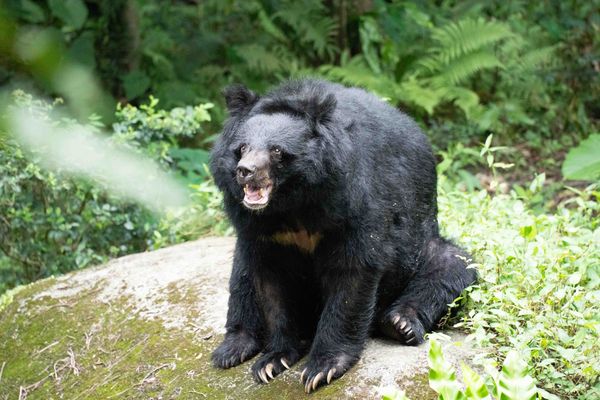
x=256 y=195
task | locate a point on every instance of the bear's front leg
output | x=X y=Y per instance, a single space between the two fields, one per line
x=244 y=323
x=350 y=292
x=279 y=287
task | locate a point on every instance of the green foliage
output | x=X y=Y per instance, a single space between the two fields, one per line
x=51 y=223
x=456 y=53
x=72 y=13
x=158 y=131
x=311 y=25
x=190 y=51
x=475 y=387
x=583 y=161
x=539 y=287
x=205 y=217
x=512 y=383
x=442 y=377
x=394 y=394
x=525 y=70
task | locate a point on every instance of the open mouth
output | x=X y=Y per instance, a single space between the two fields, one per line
x=256 y=197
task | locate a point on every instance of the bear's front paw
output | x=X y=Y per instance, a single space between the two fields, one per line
x=235 y=349
x=271 y=364
x=322 y=370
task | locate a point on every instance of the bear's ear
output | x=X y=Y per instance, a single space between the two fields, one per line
x=239 y=99
x=320 y=109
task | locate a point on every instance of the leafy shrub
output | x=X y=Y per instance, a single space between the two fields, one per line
x=52 y=223
x=205 y=216
x=157 y=132
x=511 y=383
x=457 y=52
x=539 y=286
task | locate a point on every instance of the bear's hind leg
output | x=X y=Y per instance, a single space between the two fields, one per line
x=441 y=278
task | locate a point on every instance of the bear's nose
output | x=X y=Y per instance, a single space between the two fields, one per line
x=245 y=169
x=253 y=163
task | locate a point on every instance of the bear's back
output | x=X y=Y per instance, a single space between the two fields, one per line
x=371 y=118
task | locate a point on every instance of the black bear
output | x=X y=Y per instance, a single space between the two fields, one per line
x=332 y=193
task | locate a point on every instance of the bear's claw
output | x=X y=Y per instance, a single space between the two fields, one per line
x=271 y=364
x=320 y=373
x=330 y=375
x=408 y=331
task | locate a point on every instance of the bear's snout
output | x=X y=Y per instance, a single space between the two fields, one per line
x=253 y=166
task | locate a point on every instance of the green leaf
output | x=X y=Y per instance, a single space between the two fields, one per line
x=442 y=377
x=583 y=161
x=82 y=49
x=413 y=92
x=514 y=383
x=487 y=144
x=269 y=27
x=369 y=35
x=537 y=183
x=135 y=84
x=464 y=67
x=191 y=161
x=72 y=12
x=468 y=35
x=475 y=386
x=394 y=394
x=465 y=99
x=31 y=12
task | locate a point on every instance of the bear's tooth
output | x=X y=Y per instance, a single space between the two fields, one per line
x=261 y=192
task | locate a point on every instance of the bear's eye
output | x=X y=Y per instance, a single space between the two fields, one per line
x=276 y=154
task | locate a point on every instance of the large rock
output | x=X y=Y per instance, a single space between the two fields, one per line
x=143 y=326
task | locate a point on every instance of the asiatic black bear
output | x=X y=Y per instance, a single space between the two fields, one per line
x=332 y=193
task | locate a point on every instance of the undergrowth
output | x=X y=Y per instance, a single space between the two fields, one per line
x=512 y=382
x=539 y=283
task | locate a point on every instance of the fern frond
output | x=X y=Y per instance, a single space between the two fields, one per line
x=357 y=72
x=513 y=45
x=311 y=24
x=464 y=67
x=468 y=35
x=267 y=24
x=531 y=60
x=258 y=58
x=412 y=91
x=466 y=99
x=287 y=58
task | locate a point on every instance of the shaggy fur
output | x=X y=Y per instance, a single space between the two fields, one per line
x=348 y=243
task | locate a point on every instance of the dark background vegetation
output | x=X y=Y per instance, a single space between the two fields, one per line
x=528 y=72
x=148 y=74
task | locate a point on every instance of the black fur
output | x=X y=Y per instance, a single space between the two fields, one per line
x=357 y=177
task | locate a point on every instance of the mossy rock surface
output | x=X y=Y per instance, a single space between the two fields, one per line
x=143 y=327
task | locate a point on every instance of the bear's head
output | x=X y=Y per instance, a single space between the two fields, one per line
x=271 y=152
